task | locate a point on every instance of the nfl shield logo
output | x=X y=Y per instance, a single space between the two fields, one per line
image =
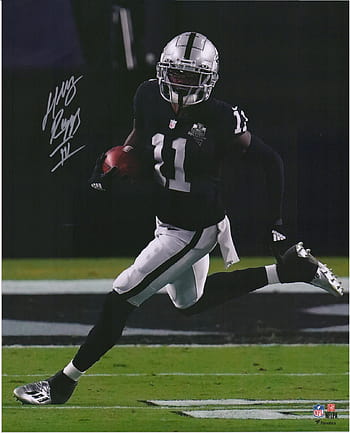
x=172 y=123
x=319 y=411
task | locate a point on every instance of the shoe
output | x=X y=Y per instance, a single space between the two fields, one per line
x=54 y=390
x=34 y=393
x=297 y=264
x=326 y=280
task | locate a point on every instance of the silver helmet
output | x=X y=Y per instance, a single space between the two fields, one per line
x=188 y=69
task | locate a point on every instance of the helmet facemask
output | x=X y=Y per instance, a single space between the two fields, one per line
x=184 y=85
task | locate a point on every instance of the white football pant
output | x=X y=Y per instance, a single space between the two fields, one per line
x=176 y=259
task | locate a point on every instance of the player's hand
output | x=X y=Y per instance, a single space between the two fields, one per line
x=99 y=180
x=278 y=240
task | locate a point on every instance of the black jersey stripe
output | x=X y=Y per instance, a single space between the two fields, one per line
x=163 y=267
x=189 y=45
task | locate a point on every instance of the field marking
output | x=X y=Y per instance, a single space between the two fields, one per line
x=247 y=414
x=32 y=328
x=103 y=285
x=261 y=413
x=28 y=406
x=268 y=409
x=194 y=346
x=233 y=402
x=182 y=374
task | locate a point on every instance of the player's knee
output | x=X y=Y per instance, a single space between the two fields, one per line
x=115 y=305
x=128 y=279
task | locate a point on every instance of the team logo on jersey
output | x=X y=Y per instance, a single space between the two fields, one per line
x=198 y=131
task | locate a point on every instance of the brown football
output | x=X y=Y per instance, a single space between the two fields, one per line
x=124 y=159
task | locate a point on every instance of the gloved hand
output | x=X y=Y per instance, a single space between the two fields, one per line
x=277 y=238
x=99 y=180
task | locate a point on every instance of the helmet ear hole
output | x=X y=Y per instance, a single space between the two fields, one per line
x=188 y=69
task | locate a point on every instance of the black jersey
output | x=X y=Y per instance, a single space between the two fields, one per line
x=186 y=151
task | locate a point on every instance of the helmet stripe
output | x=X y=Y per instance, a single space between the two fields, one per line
x=189 y=45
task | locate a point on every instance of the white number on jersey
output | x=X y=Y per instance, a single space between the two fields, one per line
x=179 y=145
x=241 y=120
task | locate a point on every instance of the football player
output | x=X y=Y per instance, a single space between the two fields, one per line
x=183 y=134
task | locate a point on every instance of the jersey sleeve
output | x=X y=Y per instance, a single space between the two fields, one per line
x=239 y=120
x=233 y=123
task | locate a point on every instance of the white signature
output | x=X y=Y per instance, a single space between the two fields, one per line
x=63 y=125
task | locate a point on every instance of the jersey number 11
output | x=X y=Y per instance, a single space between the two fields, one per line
x=179 y=145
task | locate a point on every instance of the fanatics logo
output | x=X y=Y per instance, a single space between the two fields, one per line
x=319 y=411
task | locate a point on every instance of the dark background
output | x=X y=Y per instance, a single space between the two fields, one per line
x=285 y=63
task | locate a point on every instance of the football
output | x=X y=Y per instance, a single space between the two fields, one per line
x=124 y=159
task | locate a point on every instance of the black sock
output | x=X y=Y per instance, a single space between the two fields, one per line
x=62 y=387
x=222 y=286
x=105 y=333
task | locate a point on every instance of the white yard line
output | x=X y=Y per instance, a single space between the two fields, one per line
x=144 y=407
x=192 y=346
x=103 y=286
x=263 y=412
x=27 y=406
x=235 y=402
x=184 y=374
x=250 y=414
x=38 y=328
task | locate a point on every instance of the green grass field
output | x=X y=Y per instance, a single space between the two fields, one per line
x=66 y=269
x=111 y=396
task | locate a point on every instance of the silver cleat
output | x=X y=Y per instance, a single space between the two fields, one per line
x=37 y=393
x=54 y=390
x=324 y=277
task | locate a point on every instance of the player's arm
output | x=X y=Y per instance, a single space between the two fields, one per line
x=101 y=181
x=253 y=148
x=131 y=139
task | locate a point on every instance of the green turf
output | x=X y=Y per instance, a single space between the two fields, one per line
x=264 y=373
x=66 y=269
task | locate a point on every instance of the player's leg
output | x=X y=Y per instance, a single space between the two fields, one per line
x=296 y=265
x=170 y=253
x=193 y=291
x=104 y=335
x=188 y=288
x=222 y=286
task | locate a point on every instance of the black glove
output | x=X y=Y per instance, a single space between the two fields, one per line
x=277 y=240
x=99 y=180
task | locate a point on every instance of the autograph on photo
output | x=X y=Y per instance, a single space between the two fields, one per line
x=63 y=123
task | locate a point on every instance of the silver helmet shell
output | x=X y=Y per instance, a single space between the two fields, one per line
x=191 y=54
